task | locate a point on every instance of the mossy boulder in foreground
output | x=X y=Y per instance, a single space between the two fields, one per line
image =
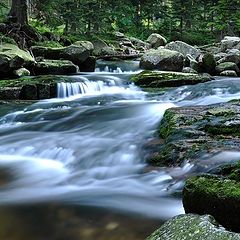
x=168 y=79
x=192 y=227
x=219 y=197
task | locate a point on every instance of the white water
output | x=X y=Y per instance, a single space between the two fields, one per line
x=88 y=150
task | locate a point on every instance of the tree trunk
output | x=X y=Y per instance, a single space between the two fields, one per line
x=18 y=12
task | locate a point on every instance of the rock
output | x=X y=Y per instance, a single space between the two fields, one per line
x=228 y=73
x=58 y=67
x=232 y=55
x=158 y=79
x=190 y=132
x=229 y=43
x=183 y=48
x=156 y=40
x=13 y=58
x=162 y=59
x=139 y=44
x=108 y=51
x=78 y=53
x=207 y=63
x=213 y=195
x=98 y=45
x=227 y=66
x=192 y=227
x=218 y=56
x=189 y=70
x=10 y=93
x=191 y=62
x=21 y=72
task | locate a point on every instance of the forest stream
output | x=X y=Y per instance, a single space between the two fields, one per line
x=74 y=167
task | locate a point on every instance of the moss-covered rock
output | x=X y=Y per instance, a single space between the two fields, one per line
x=189 y=132
x=217 y=196
x=158 y=79
x=58 y=67
x=78 y=53
x=162 y=59
x=227 y=66
x=192 y=227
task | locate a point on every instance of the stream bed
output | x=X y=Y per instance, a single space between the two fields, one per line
x=74 y=167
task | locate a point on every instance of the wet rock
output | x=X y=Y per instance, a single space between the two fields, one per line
x=162 y=59
x=183 y=48
x=190 y=132
x=156 y=79
x=108 y=51
x=192 y=227
x=227 y=66
x=58 y=67
x=10 y=93
x=213 y=195
x=229 y=73
x=156 y=40
x=229 y=43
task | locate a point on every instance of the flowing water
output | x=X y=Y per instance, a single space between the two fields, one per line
x=74 y=167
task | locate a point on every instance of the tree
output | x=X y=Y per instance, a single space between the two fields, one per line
x=18 y=12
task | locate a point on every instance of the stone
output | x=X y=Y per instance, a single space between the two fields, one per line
x=207 y=63
x=156 y=40
x=159 y=79
x=189 y=70
x=233 y=55
x=229 y=73
x=119 y=35
x=227 y=66
x=98 y=46
x=229 y=43
x=58 y=67
x=188 y=133
x=139 y=44
x=162 y=59
x=183 y=48
x=108 y=51
x=21 y=72
x=217 y=196
x=191 y=62
x=192 y=227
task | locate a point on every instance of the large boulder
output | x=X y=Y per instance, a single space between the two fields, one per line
x=58 y=67
x=227 y=66
x=219 y=197
x=13 y=58
x=191 y=62
x=156 y=40
x=162 y=59
x=139 y=44
x=183 y=48
x=232 y=55
x=78 y=53
x=229 y=43
x=160 y=79
x=98 y=45
x=192 y=227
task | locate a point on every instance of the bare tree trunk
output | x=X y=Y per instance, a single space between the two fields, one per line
x=18 y=12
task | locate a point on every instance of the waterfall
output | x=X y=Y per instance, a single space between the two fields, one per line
x=67 y=89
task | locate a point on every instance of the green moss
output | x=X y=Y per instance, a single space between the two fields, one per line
x=214 y=186
x=6 y=39
x=51 y=44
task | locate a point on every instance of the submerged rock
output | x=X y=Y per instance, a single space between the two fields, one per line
x=162 y=59
x=156 y=79
x=192 y=227
x=187 y=133
x=213 y=195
